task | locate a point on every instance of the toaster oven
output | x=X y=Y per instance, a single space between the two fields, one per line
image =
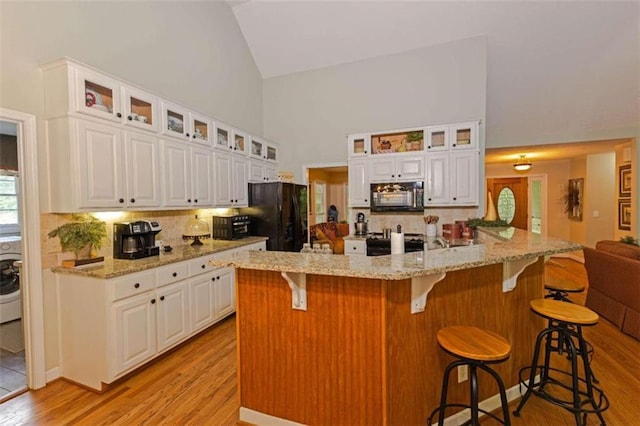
x=231 y=227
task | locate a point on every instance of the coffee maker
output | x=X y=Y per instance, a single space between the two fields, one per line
x=135 y=240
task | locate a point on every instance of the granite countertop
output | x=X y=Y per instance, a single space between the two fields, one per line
x=112 y=268
x=497 y=246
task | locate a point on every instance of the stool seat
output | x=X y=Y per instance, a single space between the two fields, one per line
x=473 y=343
x=565 y=312
x=566 y=286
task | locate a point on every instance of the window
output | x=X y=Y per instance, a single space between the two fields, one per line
x=9 y=220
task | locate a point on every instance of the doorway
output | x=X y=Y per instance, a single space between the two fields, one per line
x=27 y=208
x=333 y=178
x=511 y=199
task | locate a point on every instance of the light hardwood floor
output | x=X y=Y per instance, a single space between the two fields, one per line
x=196 y=384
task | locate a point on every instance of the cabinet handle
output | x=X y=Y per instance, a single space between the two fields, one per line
x=153 y=301
x=118 y=115
x=366 y=201
x=429 y=147
x=399 y=176
x=133 y=200
x=366 y=152
x=136 y=285
x=454 y=145
x=188 y=200
x=187 y=134
x=130 y=118
x=393 y=175
x=203 y=266
x=121 y=200
x=194 y=136
x=161 y=297
x=429 y=199
x=195 y=201
x=175 y=274
x=454 y=198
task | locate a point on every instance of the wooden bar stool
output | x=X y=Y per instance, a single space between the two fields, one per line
x=564 y=335
x=560 y=290
x=476 y=348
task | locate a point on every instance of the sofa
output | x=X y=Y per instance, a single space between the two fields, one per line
x=613 y=271
x=331 y=233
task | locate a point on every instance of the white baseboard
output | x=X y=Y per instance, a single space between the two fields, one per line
x=53 y=374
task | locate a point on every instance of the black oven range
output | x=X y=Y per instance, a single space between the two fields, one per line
x=379 y=246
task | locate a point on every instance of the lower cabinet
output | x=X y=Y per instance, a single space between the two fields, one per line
x=212 y=297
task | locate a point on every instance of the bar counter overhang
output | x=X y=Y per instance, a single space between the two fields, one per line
x=346 y=340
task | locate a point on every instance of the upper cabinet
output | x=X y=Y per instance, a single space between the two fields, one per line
x=397 y=142
x=186 y=125
x=257 y=148
x=359 y=145
x=452 y=137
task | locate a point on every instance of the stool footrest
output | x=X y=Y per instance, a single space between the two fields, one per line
x=455 y=405
x=599 y=401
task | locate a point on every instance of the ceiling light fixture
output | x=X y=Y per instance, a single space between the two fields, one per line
x=522 y=164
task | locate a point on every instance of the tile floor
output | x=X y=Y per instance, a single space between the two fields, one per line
x=13 y=372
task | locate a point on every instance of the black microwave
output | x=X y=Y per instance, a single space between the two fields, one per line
x=397 y=197
x=231 y=227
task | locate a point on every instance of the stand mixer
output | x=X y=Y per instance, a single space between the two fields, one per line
x=361 y=225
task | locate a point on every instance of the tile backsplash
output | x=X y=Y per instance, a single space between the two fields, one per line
x=171 y=221
x=412 y=222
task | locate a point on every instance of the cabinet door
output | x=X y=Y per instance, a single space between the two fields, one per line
x=223 y=138
x=359 y=145
x=175 y=121
x=203 y=301
x=383 y=170
x=202 y=177
x=270 y=173
x=200 y=128
x=173 y=314
x=225 y=293
x=140 y=109
x=271 y=153
x=465 y=180
x=135 y=331
x=176 y=174
x=97 y=95
x=437 y=138
x=464 y=135
x=256 y=171
x=359 y=183
x=409 y=168
x=101 y=179
x=142 y=156
x=437 y=182
x=222 y=186
x=240 y=189
x=240 y=143
x=257 y=148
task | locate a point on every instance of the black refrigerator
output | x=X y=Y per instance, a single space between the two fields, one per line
x=278 y=210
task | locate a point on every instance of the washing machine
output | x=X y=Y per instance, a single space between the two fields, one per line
x=10 y=295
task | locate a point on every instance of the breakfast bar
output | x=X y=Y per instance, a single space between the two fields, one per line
x=330 y=339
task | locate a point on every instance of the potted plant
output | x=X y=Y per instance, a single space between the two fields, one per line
x=81 y=236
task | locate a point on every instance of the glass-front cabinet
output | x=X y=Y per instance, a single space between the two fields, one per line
x=271 y=152
x=464 y=135
x=200 y=129
x=140 y=109
x=98 y=95
x=359 y=145
x=257 y=148
x=239 y=142
x=175 y=120
x=223 y=137
x=437 y=138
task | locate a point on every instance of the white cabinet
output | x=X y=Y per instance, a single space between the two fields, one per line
x=359 y=145
x=186 y=125
x=231 y=180
x=98 y=166
x=355 y=247
x=257 y=148
x=173 y=322
x=359 y=190
x=455 y=136
x=134 y=332
x=72 y=88
x=187 y=175
x=452 y=178
x=397 y=168
x=262 y=171
x=225 y=292
x=271 y=152
x=142 y=178
x=465 y=177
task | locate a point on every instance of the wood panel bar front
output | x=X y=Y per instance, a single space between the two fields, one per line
x=358 y=356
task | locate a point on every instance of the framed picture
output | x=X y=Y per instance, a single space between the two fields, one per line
x=574 y=199
x=625 y=181
x=624 y=215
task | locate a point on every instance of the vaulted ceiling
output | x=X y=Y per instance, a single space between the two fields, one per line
x=545 y=57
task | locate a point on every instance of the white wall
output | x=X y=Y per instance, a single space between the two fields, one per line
x=311 y=113
x=190 y=52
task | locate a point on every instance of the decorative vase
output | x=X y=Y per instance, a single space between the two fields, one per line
x=84 y=252
x=491 y=208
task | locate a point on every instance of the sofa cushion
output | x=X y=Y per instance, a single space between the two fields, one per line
x=619 y=248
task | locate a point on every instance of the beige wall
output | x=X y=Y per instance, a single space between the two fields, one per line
x=600 y=197
x=311 y=113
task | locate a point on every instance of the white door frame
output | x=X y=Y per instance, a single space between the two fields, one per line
x=31 y=273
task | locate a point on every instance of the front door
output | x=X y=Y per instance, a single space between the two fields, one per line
x=510 y=196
